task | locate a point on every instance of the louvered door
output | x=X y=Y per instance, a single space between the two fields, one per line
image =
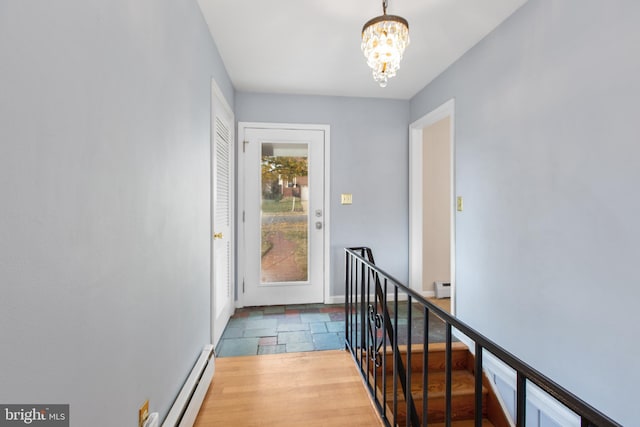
x=222 y=212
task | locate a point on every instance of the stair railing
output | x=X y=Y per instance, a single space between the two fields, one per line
x=375 y=332
x=377 y=308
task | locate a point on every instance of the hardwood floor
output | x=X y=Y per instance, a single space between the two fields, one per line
x=320 y=388
x=443 y=303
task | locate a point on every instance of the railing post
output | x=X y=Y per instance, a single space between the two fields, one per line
x=395 y=359
x=354 y=307
x=425 y=367
x=448 y=375
x=384 y=351
x=363 y=335
x=521 y=400
x=478 y=378
x=407 y=394
x=347 y=297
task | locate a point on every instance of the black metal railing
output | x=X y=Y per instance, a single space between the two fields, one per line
x=379 y=314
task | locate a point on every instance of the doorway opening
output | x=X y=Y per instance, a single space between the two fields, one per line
x=431 y=206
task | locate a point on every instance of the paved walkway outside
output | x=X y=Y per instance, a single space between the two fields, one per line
x=279 y=263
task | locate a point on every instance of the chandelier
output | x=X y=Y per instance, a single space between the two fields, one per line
x=384 y=39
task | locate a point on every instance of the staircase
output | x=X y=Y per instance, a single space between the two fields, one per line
x=382 y=313
x=462 y=388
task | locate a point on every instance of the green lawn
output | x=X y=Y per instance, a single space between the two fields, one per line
x=282 y=206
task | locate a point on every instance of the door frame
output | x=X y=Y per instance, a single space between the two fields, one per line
x=416 y=128
x=242 y=126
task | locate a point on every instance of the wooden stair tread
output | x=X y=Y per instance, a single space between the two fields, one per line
x=464 y=423
x=462 y=394
x=437 y=356
x=462 y=408
x=462 y=383
x=433 y=347
x=462 y=386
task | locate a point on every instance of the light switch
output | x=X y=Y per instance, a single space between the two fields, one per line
x=460 y=204
x=346 y=199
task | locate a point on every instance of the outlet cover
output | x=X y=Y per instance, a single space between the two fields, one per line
x=346 y=199
x=143 y=413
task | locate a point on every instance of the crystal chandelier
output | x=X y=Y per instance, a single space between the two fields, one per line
x=384 y=39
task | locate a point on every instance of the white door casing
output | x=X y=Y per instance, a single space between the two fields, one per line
x=222 y=213
x=256 y=290
x=416 y=196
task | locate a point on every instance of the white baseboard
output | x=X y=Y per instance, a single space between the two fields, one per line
x=339 y=299
x=185 y=409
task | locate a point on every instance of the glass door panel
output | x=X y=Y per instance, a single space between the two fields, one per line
x=284 y=213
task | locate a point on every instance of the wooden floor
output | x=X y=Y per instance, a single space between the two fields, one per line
x=443 y=303
x=320 y=388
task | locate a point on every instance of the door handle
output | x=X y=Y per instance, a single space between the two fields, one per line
x=217 y=235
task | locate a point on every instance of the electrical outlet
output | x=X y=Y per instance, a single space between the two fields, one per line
x=346 y=199
x=460 y=204
x=143 y=413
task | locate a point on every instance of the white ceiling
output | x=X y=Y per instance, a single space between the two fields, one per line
x=313 y=46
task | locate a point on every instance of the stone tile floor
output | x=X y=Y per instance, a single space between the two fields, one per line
x=308 y=327
x=283 y=329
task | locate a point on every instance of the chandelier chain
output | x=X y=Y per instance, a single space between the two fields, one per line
x=385 y=4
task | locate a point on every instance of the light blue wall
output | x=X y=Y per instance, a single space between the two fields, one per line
x=104 y=186
x=547 y=161
x=369 y=157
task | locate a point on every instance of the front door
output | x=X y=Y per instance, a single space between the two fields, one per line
x=284 y=216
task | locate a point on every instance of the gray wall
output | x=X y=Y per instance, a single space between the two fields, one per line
x=369 y=154
x=104 y=185
x=547 y=161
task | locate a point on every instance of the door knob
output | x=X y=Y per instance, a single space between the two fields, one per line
x=217 y=235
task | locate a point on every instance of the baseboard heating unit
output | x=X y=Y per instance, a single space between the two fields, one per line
x=185 y=409
x=443 y=289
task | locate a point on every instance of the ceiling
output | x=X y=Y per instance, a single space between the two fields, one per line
x=313 y=47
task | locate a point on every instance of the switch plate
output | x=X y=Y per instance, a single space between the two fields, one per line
x=346 y=199
x=460 y=204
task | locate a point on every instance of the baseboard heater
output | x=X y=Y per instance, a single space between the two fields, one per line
x=185 y=409
x=443 y=289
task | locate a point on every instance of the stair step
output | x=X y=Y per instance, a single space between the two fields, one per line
x=464 y=423
x=463 y=382
x=462 y=387
x=462 y=393
x=436 y=360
